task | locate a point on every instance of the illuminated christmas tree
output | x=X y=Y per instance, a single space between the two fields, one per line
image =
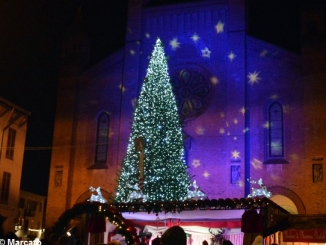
x=154 y=168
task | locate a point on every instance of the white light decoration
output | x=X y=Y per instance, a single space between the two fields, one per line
x=137 y=194
x=262 y=191
x=195 y=192
x=98 y=196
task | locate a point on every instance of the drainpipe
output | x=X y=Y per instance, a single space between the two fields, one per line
x=247 y=109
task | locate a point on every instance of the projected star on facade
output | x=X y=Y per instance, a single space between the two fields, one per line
x=147 y=35
x=214 y=80
x=253 y=78
x=206 y=174
x=240 y=183
x=263 y=53
x=195 y=163
x=257 y=164
x=200 y=130
x=111 y=133
x=231 y=56
x=174 y=43
x=134 y=102
x=123 y=88
x=245 y=130
x=242 y=110
x=206 y=52
x=195 y=37
x=235 y=154
x=274 y=97
x=219 y=27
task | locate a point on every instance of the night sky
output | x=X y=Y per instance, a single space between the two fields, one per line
x=31 y=34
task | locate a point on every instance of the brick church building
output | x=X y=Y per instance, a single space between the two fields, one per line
x=250 y=109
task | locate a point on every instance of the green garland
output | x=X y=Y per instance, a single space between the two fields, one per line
x=123 y=227
x=189 y=205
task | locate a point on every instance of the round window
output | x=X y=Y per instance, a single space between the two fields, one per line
x=193 y=92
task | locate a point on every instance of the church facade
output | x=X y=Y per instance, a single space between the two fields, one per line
x=250 y=109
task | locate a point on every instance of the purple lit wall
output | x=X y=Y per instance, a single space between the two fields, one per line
x=196 y=44
x=226 y=84
x=217 y=72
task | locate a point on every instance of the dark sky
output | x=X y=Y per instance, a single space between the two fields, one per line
x=31 y=34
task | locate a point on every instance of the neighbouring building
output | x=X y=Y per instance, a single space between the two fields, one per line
x=13 y=121
x=251 y=109
x=31 y=215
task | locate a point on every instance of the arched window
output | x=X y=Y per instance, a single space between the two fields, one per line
x=275 y=137
x=102 y=137
x=275 y=118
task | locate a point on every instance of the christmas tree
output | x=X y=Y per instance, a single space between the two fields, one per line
x=154 y=168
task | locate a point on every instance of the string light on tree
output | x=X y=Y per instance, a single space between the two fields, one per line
x=163 y=174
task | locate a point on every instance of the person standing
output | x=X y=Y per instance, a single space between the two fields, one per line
x=175 y=235
x=204 y=242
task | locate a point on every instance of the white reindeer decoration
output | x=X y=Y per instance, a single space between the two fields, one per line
x=262 y=191
x=98 y=197
x=217 y=235
x=137 y=194
x=196 y=193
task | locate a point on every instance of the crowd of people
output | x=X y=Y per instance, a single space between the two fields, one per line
x=175 y=235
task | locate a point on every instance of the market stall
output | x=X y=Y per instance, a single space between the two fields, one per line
x=198 y=217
